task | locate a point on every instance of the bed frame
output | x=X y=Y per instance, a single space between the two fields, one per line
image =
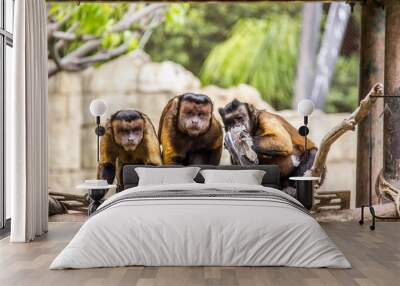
x=271 y=178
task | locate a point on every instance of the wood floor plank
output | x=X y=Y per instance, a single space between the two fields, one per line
x=375 y=257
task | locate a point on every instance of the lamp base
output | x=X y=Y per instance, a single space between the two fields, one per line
x=96 y=196
x=305 y=193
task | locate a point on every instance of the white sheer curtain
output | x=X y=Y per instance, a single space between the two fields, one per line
x=26 y=123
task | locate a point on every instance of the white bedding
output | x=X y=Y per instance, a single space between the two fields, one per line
x=190 y=230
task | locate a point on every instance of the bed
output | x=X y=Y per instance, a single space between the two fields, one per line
x=198 y=224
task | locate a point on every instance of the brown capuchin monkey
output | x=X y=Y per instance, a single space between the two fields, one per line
x=275 y=140
x=130 y=138
x=189 y=133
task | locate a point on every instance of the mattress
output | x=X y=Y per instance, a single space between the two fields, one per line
x=201 y=225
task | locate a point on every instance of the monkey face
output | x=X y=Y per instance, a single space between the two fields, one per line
x=236 y=114
x=194 y=118
x=128 y=134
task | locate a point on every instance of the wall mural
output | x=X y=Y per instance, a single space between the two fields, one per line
x=175 y=99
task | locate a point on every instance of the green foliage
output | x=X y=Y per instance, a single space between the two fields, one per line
x=343 y=95
x=176 y=17
x=97 y=20
x=262 y=53
x=223 y=44
x=92 y=19
x=203 y=26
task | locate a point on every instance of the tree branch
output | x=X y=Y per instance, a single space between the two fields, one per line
x=83 y=50
x=385 y=189
x=54 y=26
x=83 y=57
x=127 y=22
x=69 y=36
x=103 y=56
x=357 y=116
x=147 y=33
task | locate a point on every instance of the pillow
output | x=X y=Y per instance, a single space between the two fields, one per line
x=163 y=176
x=248 y=177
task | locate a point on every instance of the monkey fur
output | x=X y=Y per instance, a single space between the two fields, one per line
x=189 y=133
x=130 y=138
x=275 y=140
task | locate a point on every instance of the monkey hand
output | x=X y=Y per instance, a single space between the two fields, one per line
x=106 y=171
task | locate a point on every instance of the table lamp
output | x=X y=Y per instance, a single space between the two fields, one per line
x=97 y=108
x=305 y=108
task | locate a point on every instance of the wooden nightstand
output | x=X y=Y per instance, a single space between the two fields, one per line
x=305 y=190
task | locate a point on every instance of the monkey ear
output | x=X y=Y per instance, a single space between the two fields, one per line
x=221 y=112
x=109 y=127
x=253 y=113
x=176 y=105
x=251 y=108
x=235 y=103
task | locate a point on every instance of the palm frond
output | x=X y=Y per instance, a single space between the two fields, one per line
x=262 y=53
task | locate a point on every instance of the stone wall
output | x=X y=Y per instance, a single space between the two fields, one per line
x=133 y=81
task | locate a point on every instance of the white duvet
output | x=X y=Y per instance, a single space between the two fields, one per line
x=188 y=231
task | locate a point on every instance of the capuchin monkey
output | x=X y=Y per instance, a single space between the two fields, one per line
x=189 y=133
x=275 y=140
x=130 y=138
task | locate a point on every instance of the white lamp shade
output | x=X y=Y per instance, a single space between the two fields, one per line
x=305 y=107
x=98 y=107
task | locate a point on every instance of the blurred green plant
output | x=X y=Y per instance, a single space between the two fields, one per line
x=90 y=34
x=223 y=44
x=93 y=19
x=262 y=53
x=343 y=94
x=203 y=27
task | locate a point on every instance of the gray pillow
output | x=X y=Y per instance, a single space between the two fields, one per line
x=248 y=177
x=163 y=176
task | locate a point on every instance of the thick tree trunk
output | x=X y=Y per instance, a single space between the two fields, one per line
x=388 y=184
x=371 y=71
x=331 y=43
x=391 y=131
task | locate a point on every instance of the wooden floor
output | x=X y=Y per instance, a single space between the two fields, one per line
x=375 y=257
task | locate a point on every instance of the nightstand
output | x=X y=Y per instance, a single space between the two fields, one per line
x=96 y=194
x=305 y=190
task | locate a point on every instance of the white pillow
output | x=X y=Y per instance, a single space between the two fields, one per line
x=164 y=176
x=248 y=177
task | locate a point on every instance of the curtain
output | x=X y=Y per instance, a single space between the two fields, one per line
x=26 y=123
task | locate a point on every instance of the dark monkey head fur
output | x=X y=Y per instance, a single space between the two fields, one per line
x=127 y=126
x=194 y=114
x=236 y=114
